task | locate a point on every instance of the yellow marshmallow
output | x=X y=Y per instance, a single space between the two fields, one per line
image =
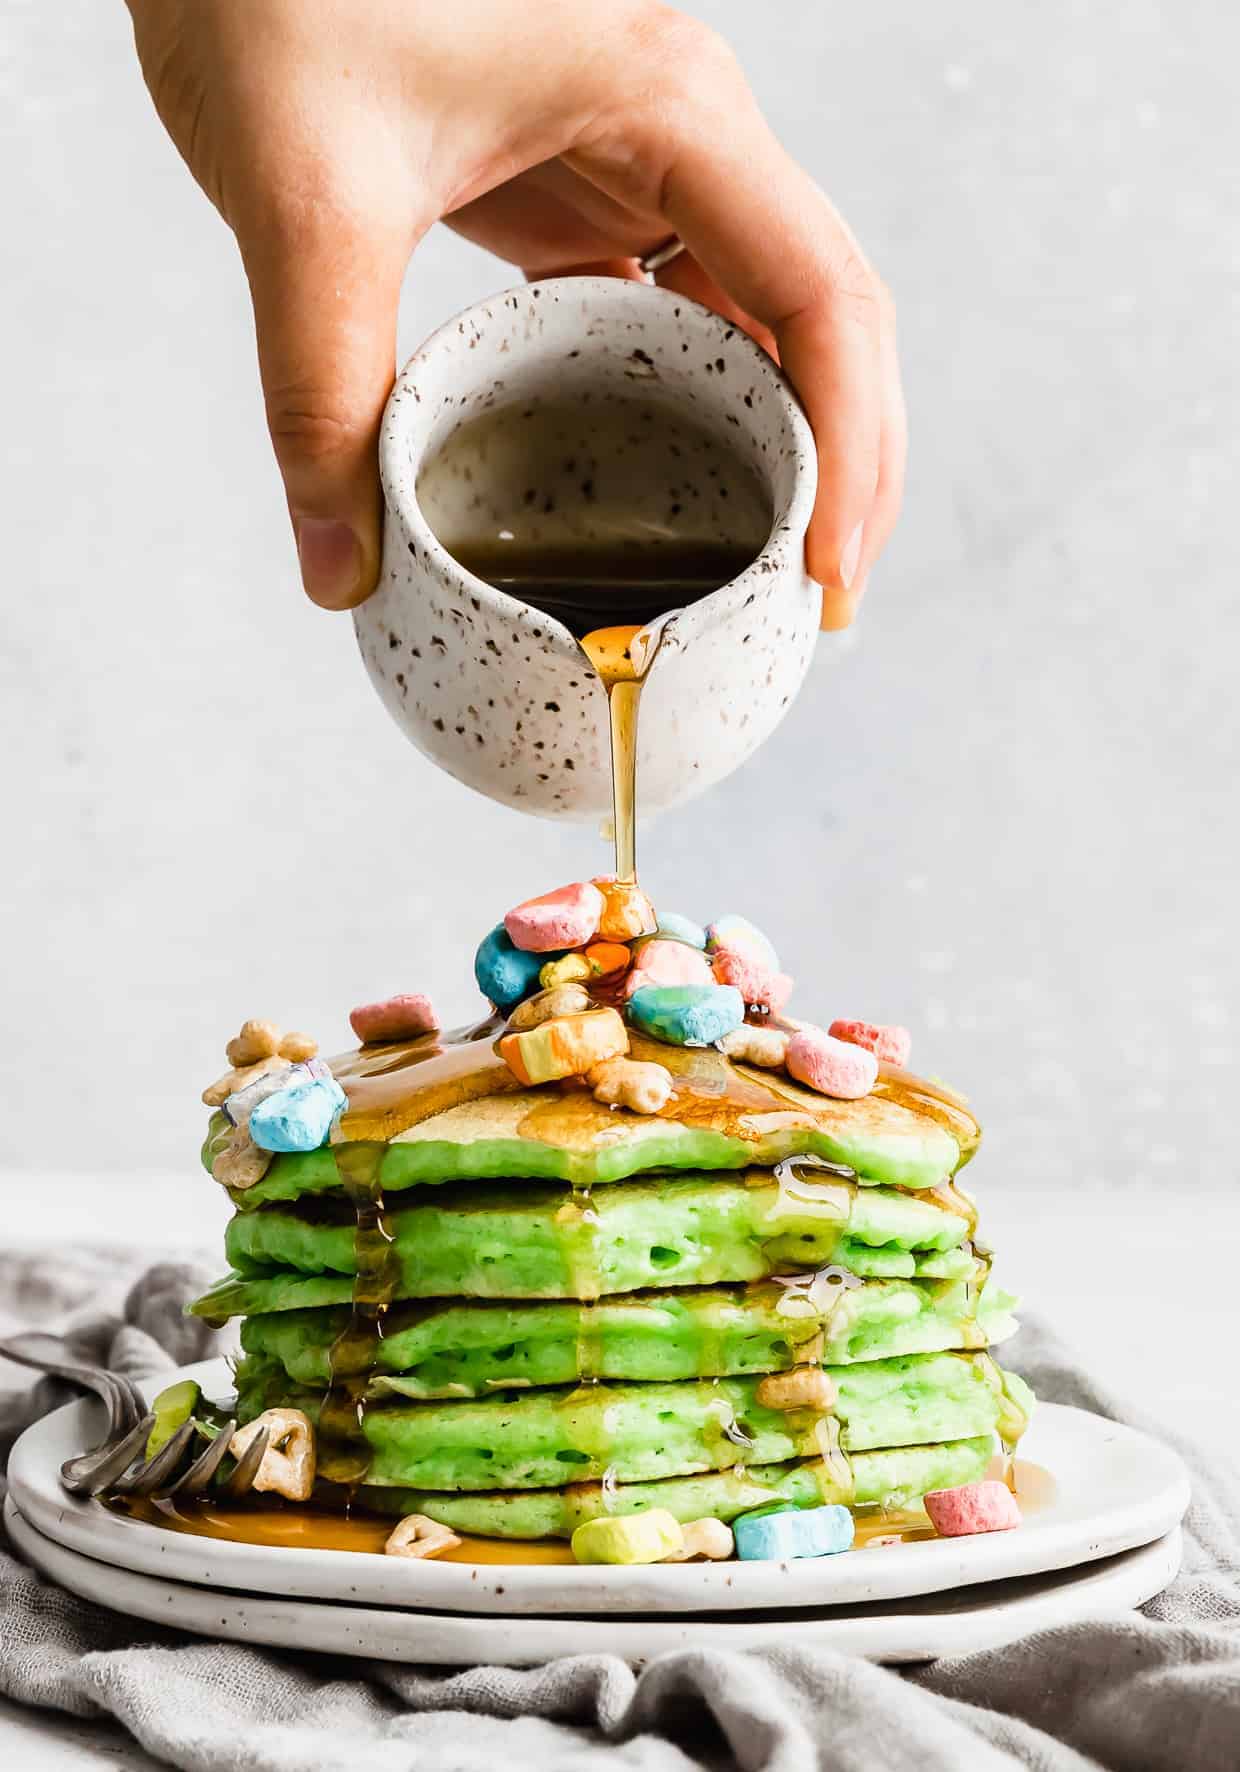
x=568 y=969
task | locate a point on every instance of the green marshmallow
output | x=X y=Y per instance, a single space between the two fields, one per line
x=172 y=1408
x=642 y=1538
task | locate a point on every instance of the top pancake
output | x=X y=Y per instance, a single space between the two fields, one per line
x=448 y=1108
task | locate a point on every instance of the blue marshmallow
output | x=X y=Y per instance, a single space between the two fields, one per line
x=739 y=934
x=687 y=1014
x=242 y=1102
x=798 y=1532
x=297 y=1118
x=506 y=973
x=673 y=927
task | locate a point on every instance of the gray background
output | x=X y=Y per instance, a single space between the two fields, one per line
x=1003 y=809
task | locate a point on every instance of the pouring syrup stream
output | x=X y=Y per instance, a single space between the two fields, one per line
x=622 y=657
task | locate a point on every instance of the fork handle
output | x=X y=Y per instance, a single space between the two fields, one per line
x=43 y=1352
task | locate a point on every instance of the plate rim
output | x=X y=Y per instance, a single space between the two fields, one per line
x=1039 y=1547
x=1123 y=1581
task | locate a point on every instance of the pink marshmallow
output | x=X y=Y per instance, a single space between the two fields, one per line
x=396 y=1018
x=988 y=1506
x=566 y=918
x=891 y=1044
x=667 y=962
x=760 y=987
x=832 y=1067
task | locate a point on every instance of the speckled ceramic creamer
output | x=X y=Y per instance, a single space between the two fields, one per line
x=629 y=406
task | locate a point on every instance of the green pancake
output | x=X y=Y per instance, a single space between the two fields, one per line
x=644 y=1432
x=894 y=1477
x=529 y=1242
x=725 y=1116
x=470 y=1350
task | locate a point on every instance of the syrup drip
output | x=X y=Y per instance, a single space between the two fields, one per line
x=622 y=657
x=936 y=1101
x=343 y=1454
x=801 y=1194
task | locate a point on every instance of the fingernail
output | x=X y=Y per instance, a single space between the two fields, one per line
x=331 y=561
x=850 y=557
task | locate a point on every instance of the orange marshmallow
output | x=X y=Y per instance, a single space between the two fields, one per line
x=567 y=1046
x=605 y=958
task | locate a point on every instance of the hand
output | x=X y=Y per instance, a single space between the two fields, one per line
x=567 y=134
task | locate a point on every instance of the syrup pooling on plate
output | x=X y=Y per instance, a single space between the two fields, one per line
x=279 y=1525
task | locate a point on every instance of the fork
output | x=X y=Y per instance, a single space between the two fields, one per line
x=117 y=1466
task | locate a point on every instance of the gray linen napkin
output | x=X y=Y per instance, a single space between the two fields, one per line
x=1159 y=1690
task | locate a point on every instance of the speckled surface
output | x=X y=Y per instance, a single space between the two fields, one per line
x=501 y=695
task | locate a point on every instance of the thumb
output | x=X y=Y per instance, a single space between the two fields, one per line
x=325 y=305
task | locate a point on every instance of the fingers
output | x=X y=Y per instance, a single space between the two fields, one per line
x=685 y=275
x=627 y=269
x=839 y=609
x=325 y=302
x=779 y=250
x=761 y=230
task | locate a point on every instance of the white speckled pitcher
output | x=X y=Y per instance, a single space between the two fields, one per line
x=500 y=694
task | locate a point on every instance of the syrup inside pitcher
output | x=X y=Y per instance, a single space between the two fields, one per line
x=607 y=514
x=602 y=512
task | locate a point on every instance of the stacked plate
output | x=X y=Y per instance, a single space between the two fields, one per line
x=1102 y=1534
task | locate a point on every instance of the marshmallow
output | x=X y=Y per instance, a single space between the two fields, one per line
x=505 y=973
x=739 y=936
x=242 y=1102
x=565 y=1047
x=627 y=912
x=686 y=1014
x=677 y=928
x=889 y=1043
x=666 y=962
x=566 y=969
x=988 y=1506
x=566 y=918
x=759 y=986
x=793 y=1532
x=606 y=959
x=395 y=1018
x=299 y=1117
x=635 y=1538
x=832 y=1067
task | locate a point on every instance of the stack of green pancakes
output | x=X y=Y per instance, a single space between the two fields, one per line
x=513 y=1309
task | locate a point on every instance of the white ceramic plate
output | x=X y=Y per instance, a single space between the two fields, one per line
x=1117 y=1489
x=915 y=1630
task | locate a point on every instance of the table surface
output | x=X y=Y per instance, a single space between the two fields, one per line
x=1104 y=1268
